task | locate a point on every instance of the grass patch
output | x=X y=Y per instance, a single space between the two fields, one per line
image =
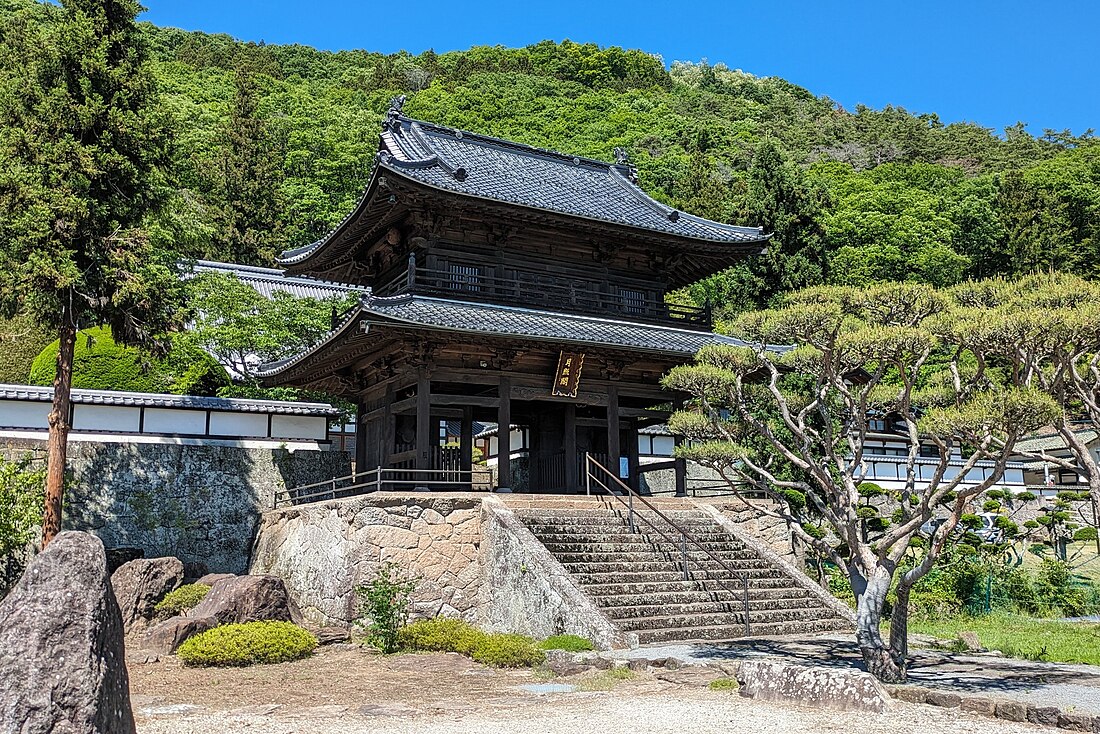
x=605 y=680
x=1018 y=636
x=569 y=643
x=181 y=600
x=488 y=648
x=238 y=645
x=724 y=684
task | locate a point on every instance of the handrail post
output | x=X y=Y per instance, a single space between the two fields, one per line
x=587 y=473
x=334 y=488
x=630 y=505
x=684 y=554
x=378 y=479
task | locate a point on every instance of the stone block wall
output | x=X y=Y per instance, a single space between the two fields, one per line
x=200 y=503
x=324 y=551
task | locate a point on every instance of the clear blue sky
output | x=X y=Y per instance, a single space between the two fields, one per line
x=993 y=63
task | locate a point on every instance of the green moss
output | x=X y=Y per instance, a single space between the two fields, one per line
x=724 y=684
x=239 y=645
x=569 y=643
x=99 y=363
x=182 y=599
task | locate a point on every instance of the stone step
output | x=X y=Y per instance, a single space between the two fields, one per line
x=664 y=598
x=758 y=629
x=708 y=540
x=766 y=608
x=678 y=585
x=720 y=561
x=759 y=577
x=754 y=569
x=721 y=619
x=693 y=551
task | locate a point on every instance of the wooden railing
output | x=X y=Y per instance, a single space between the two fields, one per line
x=532 y=289
x=383 y=479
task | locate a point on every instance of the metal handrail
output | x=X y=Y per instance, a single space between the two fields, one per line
x=684 y=539
x=375 y=480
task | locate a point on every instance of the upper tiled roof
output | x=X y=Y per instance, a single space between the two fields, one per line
x=1054 y=441
x=35 y=393
x=512 y=321
x=268 y=280
x=503 y=171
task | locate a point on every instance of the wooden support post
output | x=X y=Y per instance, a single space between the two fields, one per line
x=569 y=442
x=466 y=440
x=424 y=431
x=613 y=450
x=386 y=434
x=633 y=461
x=504 y=435
x=680 y=468
x=361 y=438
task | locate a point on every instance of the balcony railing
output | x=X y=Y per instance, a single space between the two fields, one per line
x=530 y=289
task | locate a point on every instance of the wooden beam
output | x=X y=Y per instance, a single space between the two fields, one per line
x=424 y=430
x=481 y=401
x=633 y=460
x=613 y=449
x=386 y=435
x=569 y=441
x=466 y=440
x=504 y=435
x=360 y=442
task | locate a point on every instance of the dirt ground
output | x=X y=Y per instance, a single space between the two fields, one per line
x=343 y=690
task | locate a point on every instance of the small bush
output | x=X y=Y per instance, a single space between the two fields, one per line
x=238 y=645
x=182 y=599
x=384 y=606
x=453 y=635
x=569 y=643
x=724 y=684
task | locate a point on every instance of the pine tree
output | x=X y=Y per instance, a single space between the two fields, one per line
x=83 y=144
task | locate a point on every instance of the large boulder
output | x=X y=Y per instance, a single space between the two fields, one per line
x=62 y=655
x=839 y=689
x=168 y=635
x=140 y=584
x=248 y=599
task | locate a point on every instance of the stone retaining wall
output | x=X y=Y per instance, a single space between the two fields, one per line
x=324 y=551
x=200 y=503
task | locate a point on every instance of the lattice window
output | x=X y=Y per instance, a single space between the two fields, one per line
x=465 y=277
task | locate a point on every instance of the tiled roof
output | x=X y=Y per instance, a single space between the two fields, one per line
x=512 y=321
x=155 y=400
x=268 y=280
x=503 y=171
x=1054 y=441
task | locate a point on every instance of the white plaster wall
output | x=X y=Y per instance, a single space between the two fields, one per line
x=167 y=420
x=16 y=414
x=106 y=418
x=299 y=426
x=238 y=424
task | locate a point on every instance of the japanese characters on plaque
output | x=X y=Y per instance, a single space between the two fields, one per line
x=568 y=376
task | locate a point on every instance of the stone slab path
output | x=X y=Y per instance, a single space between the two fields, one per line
x=1072 y=687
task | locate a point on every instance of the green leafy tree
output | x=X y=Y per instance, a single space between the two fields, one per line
x=793 y=424
x=83 y=143
x=21 y=494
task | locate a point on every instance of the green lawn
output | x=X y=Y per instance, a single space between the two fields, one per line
x=1023 y=637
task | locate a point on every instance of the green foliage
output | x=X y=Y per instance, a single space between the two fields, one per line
x=22 y=493
x=239 y=645
x=21 y=339
x=99 y=363
x=452 y=635
x=724 y=684
x=1021 y=636
x=384 y=605
x=569 y=643
x=181 y=600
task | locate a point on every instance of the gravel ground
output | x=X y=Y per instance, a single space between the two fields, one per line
x=693 y=711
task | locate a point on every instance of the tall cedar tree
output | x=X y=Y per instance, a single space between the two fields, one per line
x=247 y=174
x=83 y=144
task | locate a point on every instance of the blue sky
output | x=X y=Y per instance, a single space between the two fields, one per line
x=993 y=63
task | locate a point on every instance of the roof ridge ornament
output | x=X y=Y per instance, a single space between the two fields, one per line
x=397 y=104
x=622 y=158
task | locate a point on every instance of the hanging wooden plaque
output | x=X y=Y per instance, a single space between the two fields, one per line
x=568 y=376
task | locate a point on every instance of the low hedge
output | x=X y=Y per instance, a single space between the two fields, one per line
x=569 y=643
x=489 y=648
x=239 y=645
x=179 y=601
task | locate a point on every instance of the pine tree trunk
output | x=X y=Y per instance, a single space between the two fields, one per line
x=899 y=626
x=869 y=608
x=60 y=423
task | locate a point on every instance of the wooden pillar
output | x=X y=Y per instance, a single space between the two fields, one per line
x=633 y=462
x=680 y=467
x=466 y=440
x=361 y=438
x=569 y=444
x=613 y=450
x=504 y=434
x=386 y=431
x=424 y=432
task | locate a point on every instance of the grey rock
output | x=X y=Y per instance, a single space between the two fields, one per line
x=248 y=599
x=830 y=688
x=1075 y=722
x=943 y=699
x=212 y=578
x=116 y=557
x=332 y=635
x=978 y=705
x=168 y=635
x=62 y=650
x=140 y=584
x=971 y=641
x=910 y=694
x=1011 y=711
x=1043 y=715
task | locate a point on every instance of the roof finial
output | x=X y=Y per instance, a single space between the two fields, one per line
x=396 y=105
x=622 y=158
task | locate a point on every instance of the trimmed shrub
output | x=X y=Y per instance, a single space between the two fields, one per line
x=180 y=600
x=384 y=606
x=100 y=363
x=569 y=643
x=453 y=635
x=239 y=645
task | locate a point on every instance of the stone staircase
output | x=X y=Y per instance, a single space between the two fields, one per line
x=637 y=578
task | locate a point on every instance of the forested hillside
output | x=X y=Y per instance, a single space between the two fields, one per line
x=273 y=144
